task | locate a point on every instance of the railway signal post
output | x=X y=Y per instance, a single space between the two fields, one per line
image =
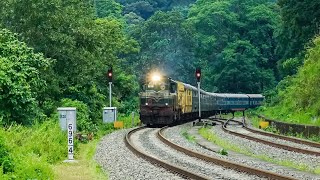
x=198 y=76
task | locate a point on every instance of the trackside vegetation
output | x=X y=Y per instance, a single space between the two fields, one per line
x=298 y=99
x=29 y=152
x=37 y=152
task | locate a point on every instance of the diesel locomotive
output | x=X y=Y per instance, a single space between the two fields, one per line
x=165 y=101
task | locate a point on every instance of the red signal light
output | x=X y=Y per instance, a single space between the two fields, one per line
x=198 y=74
x=110 y=75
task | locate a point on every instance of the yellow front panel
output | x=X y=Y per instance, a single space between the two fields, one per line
x=181 y=97
x=188 y=101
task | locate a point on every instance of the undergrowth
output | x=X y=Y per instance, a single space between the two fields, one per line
x=35 y=152
x=31 y=150
x=255 y=122
x=188 y=136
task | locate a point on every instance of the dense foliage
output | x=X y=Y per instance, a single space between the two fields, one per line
x=82 y=47
x=165 y=45
x=240 y=46
x=26 y=153
x=299 y=100
x=146 y=8
x=300 y=22
x=235 y=36
x=22 y=79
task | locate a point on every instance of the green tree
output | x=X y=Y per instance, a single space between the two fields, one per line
x=166 y=45
x=303 y=94
x=83 y=47
x=146 y=8
x=21 y=79
x=240 y=73
x=299 y=24
x=217 y=25
x=107 y=8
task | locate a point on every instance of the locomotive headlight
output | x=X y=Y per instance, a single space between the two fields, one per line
x=166 y=104
x=155 y=77
x=146 y=104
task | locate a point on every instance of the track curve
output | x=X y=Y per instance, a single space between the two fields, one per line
x=224 y=163
x=170 y=167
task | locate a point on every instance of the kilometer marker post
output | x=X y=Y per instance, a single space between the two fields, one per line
x=70 y=141
x=67 y=118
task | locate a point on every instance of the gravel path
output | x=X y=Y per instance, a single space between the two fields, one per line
x=148 y=140
x=120 y=163
x=174 y=135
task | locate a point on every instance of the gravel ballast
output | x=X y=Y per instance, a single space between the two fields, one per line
x=151 y=144
x=120 y=163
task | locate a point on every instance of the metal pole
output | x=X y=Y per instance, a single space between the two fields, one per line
x=199 y=101
x=132 y=119
x=110 y=83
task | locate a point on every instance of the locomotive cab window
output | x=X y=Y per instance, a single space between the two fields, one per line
x=173 y=88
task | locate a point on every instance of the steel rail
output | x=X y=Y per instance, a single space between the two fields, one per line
x=300 y=141
x=292 y=139
x=221 y=162
x=168 y=166
x=281 y=146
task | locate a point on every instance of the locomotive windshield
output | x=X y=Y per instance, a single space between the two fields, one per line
x=158 y=86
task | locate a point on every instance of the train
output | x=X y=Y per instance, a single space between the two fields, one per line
x=164 y=101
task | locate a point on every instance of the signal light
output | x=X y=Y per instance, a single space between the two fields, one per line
x=110 y=74
x=198 y=74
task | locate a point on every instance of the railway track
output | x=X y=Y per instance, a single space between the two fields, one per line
x=221 y=162
x=277 y=145
x=186 y=173
x=175 y=169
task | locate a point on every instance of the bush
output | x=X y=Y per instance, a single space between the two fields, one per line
x=21 y=79
x=30 y=151
x=33 y=167
x=223 y=152
x=5 y=159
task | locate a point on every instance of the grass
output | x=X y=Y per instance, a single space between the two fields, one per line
x=37 y=152
x=285 y=115
x=209 y=135
x=32 y=150
x=255 y=122
x=188 y=136
x=85 y=169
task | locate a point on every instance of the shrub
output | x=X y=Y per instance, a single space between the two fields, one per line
x=33 y=167
x=21 y=79
x=30 y=151
x=5 y=159
x=223 y=152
